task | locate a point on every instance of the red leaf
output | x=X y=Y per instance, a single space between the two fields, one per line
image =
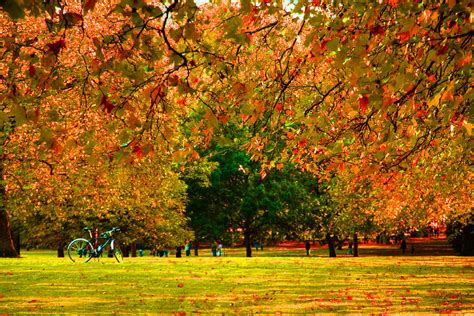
x=32 y=70
x=89 y=5
x=55 y=47
x=295 y=151
x=138 y=151
x=377 y=30
x=363 y=101
x=421 y=113
x=442 y=50
x=404 y=36
x=72 y=18
x=349 y=298
x=279 y=107
x=303 y=142
x=324 y=46
x=180 y=285
x=223 y=118
x=108 y=107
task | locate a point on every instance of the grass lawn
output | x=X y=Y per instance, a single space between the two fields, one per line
x=277 y=280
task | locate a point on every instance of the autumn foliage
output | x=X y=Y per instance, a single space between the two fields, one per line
x=377 y=94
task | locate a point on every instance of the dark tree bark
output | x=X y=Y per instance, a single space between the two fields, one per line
x=16 y=240
x=356 y=245
x=331 y=247
x=61 y=250
x=7 y=246
x=247 y=243
x=134 y=250
x=126 y=251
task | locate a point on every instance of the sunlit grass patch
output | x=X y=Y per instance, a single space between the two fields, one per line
x=42 y=283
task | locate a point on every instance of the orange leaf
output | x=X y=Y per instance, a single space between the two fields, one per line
x=342 y=167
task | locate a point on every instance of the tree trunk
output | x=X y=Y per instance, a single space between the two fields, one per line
x=196 y=248
x=61 y=250
x=126 y=251
x=356 y=245
x=134 y=250
x=7 y=246
x=332 y=249
x=247 y=243
x=16 y=240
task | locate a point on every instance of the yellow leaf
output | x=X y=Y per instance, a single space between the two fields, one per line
x=435 y=100
x=468 y=127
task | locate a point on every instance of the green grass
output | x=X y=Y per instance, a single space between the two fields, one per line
x=275 y=280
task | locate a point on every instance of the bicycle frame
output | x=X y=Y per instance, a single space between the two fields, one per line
x=82 y=249
x=99 y=247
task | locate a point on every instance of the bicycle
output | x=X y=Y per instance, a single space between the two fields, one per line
x=83 y=250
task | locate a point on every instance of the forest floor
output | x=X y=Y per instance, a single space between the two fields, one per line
x=278 y=280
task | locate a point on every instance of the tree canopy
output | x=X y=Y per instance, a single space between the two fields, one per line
x=374 y=93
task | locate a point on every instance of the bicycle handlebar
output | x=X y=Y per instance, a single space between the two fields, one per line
x=110 y=232
x=105 y=234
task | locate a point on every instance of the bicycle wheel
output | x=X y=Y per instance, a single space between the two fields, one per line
x=80 y=250
x=116 y=251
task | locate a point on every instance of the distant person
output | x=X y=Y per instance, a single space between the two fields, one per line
x=307 y=246
x=257 y=245
x=349 y=249
x=178 y=252
x=403 y=246
x=219 y=249
x=187 y=249
x=214 y=250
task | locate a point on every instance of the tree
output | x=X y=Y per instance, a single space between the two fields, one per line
x=237 y=198
x=460 y=232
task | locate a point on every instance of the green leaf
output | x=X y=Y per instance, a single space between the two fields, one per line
x=20 y=114
x=3 y=119
x=13 y=9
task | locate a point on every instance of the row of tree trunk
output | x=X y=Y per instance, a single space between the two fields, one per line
x=332 y=245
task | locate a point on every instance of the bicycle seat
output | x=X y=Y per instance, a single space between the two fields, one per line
x=87 y=228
